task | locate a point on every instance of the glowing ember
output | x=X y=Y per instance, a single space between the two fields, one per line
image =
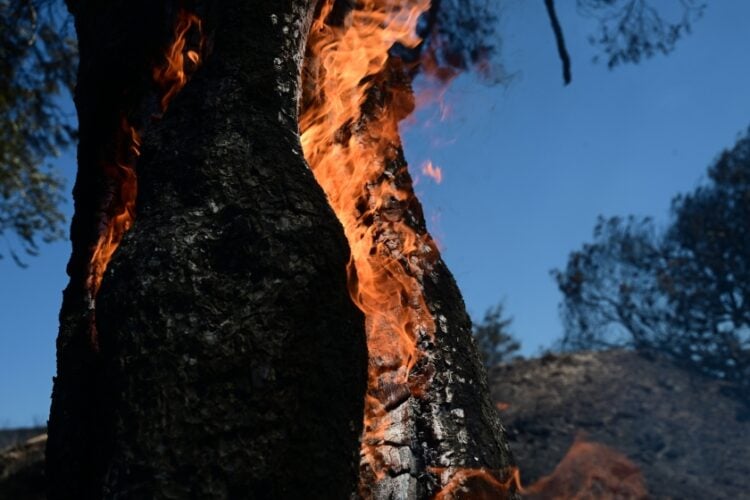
x=502 y=406
x=351 y=141
x=433 y=172
x=120 y=173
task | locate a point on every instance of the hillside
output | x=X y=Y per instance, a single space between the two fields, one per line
x=641 y=425
x=22 y=464
x=688 y=438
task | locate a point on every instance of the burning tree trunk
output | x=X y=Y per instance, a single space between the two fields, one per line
x=227 y=359
x=430 y=427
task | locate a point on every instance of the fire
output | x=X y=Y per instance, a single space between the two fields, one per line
x=479 y=484
x=170 y=77
x=433 y=172
x=349 y=133
x=590 y=470
x=122 y=193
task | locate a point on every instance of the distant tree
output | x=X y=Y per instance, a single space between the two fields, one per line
x=495 y=342
x=709 y=244
x=683 y=291
x=611 y=288
x=632 y=30
x=37 y=63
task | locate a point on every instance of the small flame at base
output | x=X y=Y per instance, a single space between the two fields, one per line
x=590 y=470
x=587 y=471
x=478 y=484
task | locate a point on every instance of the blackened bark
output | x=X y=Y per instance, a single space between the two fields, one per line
x=232 y=362
x=445 y=438
x=115 y=58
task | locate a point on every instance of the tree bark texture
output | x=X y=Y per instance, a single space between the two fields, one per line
x=231 y=360
x=445 y=439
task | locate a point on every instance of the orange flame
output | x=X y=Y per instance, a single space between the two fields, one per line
x=123 y=186
x=354 y=155
x=478 y=484
x=433 y=172
x=587 y=471
x=502 y=406
x=180 y=61
x=120 y=173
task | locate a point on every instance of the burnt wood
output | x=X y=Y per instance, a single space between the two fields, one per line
x=231 y=361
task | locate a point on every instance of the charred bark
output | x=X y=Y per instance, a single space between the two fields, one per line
x=114 y=58
x=431 y=430
x=231 y=361
x=445 y=439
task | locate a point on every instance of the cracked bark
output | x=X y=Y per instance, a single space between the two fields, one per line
x=231 y=361
x=449 y=427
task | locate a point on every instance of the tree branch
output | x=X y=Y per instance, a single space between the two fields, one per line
x=560 y=40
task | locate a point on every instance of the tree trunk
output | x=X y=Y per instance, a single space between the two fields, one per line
x=222 y=356
x=431 y=430
x=231 y=360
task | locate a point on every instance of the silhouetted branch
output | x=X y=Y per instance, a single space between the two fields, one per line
x=559 y=39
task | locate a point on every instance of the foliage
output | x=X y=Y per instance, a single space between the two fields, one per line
x=495 y=343
x=457 y=36
x=683 y=291
x=462 y=34
x=611 y=287
x=710 y=247
x=37 y=62
x=630 y=30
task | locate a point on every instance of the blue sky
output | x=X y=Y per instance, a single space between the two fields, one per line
x=527 y=168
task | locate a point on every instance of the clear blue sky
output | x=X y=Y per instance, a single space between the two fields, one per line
x=527 y=167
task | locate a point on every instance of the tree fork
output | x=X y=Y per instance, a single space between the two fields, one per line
x=231 y=360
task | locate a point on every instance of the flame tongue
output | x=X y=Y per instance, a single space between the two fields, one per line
x=172 y=75
x=350 y=137
x=119 y=201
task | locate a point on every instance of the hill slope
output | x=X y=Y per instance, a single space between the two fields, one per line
x=689 y=439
